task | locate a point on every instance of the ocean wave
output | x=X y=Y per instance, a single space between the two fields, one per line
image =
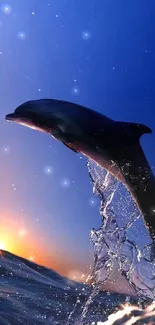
x=35 y=295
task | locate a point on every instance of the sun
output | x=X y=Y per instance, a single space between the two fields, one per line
x=2 y=246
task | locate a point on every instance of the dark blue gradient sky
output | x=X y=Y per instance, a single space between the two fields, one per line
x=100 y=54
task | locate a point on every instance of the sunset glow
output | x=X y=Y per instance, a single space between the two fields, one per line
x=24 y=239
x=2 y=246
x=22 y=232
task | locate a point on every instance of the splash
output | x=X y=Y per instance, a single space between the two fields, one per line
x=132 y=315
x=122 y=241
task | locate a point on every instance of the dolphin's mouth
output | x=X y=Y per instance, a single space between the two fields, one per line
x=14 y=117
x=10 y=117
x=23 y=119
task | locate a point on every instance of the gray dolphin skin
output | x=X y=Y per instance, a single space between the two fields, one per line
x=112 y=144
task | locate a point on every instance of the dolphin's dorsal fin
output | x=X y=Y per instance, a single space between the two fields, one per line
x=137 y=128
x=142 y=129
x=131 y=131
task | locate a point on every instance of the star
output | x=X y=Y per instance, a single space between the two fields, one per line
x=21 y=35
x=65 y=183
x=6 y=150
x=14 y=187
x=6 y=9
x=86 y=35
x=92 y=201
x=75 y=91
x=48 y=170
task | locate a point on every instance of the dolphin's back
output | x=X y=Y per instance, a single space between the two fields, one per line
x=89 y=121
x=104 y=130
x=101 y=129
x=81 y=113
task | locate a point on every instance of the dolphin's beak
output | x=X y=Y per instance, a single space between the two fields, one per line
x=10 y=117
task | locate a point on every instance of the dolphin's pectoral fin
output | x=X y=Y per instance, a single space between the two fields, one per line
x=64 y=138
x=70 y=146
x=59 y=135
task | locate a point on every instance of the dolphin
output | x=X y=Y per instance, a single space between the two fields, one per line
x=114 y=145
